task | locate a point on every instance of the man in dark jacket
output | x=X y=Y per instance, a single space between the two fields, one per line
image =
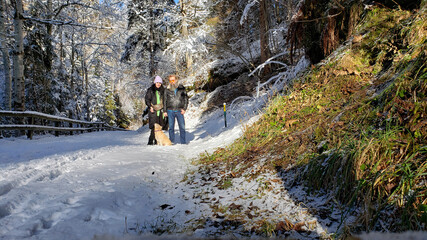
x=175 y=105
x=154 y=101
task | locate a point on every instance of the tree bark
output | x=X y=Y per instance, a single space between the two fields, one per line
x=86 y=85
x=73 y=69
x=49 y=45
x=184 y=32
x=290 y=8
x=152 y=53
x=263 y=31
x=6 y=58
x=18 y=57
x=48 y=64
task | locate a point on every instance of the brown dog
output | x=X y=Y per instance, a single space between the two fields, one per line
x=160 y=137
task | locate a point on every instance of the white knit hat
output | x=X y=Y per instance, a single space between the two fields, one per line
x=158 y=79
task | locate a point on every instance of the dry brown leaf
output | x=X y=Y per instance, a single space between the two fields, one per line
x=234 y=206
x=357 y=39
x=299 y=227
x=419 y=125
x=284 y=225
x=289 y=123
x=312 y=224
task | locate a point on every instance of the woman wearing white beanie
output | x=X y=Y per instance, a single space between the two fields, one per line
x=154 y=100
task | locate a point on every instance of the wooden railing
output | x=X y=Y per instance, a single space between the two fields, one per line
x=31 y=121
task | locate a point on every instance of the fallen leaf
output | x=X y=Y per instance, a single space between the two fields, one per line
x=289 y=123
x=234 y=206
x=284 y=225
x=299 y=227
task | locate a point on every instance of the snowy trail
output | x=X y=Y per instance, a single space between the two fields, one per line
x=78 y=186
x=113 y=183
x=100 y=186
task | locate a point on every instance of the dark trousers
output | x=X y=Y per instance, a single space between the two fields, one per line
x=152 y=139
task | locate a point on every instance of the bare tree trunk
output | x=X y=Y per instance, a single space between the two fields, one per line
x=84 y=73
x=73 y=82
x=290 y=8
x=152 y=53
x=61 y=48
x=184 y=32
x=18 y=57
x=6 y=57
x=263 y=31
x=73 y=69
x=49 y=28
x=86 y=83
x=48 y=65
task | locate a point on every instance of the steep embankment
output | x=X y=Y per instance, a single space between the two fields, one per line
x=354 y=127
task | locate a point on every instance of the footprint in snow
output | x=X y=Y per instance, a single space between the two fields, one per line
x=164 y=206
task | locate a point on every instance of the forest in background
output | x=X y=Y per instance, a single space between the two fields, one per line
x=93 y=60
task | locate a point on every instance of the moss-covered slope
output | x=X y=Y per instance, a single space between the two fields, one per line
x=355 y=124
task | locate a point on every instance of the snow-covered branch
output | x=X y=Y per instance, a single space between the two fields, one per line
x=58 y=10
x=269 y=61
x=246 y=10
x=69 y=23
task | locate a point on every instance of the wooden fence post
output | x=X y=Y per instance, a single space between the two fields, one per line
x=70 y=124
x=56 y=132
x=30 y=132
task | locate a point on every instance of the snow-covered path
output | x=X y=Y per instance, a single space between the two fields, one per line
x=97 y=183
x=101 y=185
x=112 y=183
